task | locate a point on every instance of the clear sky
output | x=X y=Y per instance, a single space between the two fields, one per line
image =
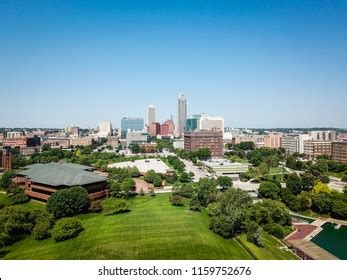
x=256 y=63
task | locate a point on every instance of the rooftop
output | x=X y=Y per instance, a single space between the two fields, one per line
x=143 y=165
x=61 y=174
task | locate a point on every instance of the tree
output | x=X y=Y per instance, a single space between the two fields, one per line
x=66 y=228
x=275 y=230
x=158 y=181
x=176 y=200
x=294 y=183
x=194 y=204
x=325 y=179
x=304 y=200
x=224 y=182
x=269 y=189
x=254 y=234
x=322 y=202
x=320 y=188
x=135 y=148
x=127 y=186
x=184 y=178
x=150 y=175
x=339 y=210
x=308 y=181
x=186 y=190
x=6 y=179
x=206 y=191
x=68 y=202
x=228 y=215
x=203 y=154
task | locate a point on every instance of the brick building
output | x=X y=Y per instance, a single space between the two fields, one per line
x=339 y=151
x=313 y=148
x=213 y=140
x=22 y=142
x=41 y=180
x=154 y=129
x=167 y=128
x=5 y=159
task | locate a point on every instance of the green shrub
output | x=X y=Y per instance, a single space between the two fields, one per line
x=19 y=198
x=325 y=179
x=176 y=200
x=66 y=228
x=118 y=206
x=41 y=229
x=344 y=178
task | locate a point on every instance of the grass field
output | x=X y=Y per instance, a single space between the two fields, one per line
x=272 y=248
x=154 y=229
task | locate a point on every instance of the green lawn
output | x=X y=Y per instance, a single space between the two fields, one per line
x=335 y=174
x=4 y=199
x=272 y=248
x=154 y=229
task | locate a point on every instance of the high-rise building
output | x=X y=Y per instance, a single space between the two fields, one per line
x=167 y=128
x=211 y=123
x=339 y=151
x=181 y=114
x=151 y=115
x=212 y=140
x=132 y=124
x=105 y=129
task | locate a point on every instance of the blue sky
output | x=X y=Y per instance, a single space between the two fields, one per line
x=256 y=63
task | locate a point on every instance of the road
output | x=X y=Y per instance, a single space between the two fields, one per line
x=198 y=173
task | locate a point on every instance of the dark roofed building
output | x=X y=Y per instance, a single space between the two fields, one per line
x=41 y=180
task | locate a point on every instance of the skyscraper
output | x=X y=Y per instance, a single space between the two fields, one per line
x=151 y=115
x=181 y=114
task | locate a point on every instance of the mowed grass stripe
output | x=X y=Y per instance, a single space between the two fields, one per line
x=154 y=229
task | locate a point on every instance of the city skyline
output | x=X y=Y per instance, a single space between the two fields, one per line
x=276 y=65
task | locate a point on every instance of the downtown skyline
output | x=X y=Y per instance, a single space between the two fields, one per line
x=277 y=65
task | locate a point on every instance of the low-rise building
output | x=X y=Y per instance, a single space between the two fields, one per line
x=224 y=167
x=41 y=180
x=137 y=137
x=113 y=141
x=63 y=143
x=81 y=141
